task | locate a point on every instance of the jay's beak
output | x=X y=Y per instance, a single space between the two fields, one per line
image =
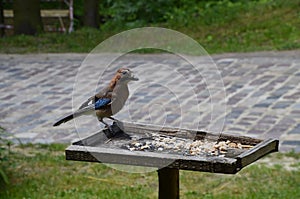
x=133 y=78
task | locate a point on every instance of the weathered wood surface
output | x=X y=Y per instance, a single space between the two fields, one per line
x=97 y=148
x=261 y=149
x=142 y=130
x=151 y=159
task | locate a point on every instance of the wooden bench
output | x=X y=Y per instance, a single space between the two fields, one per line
x=63 y=17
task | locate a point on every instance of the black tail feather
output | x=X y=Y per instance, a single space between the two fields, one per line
x=63 y=120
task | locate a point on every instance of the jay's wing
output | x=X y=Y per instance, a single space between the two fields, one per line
x=105 y=93
x=100 y=103
x=88 y=102
x=94 y=104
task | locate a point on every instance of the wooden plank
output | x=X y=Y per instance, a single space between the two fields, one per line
x=150 y=159
x=260 y=150
x=111 y=155
x=55 y=13
x=44 y=13
x=8 y=13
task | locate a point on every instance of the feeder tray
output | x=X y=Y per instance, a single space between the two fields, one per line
x=153 y=146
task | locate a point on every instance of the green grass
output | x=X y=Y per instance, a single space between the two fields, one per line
x=83 y=40
x=247 y=26
x=41 y=171
x=224 y=26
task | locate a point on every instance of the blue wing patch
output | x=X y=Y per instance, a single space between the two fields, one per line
x=102 y=102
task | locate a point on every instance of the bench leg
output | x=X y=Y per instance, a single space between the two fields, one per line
x=168 y=180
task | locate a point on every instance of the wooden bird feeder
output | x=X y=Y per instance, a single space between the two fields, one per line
x=143 y=145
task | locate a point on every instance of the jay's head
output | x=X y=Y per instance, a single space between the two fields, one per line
x=125 y=75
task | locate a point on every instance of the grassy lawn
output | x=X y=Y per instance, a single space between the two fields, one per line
x=226 y=26
x=41 y=171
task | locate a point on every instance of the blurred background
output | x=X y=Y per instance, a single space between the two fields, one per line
x=219 y=25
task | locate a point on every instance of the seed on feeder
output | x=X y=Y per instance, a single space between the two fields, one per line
x=145 y=147
x=247 y=146
x=160 y=149
x=239 y=145
x=232 y=145
x=137 y=144
x=223 y=148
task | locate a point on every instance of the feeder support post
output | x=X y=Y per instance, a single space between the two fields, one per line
x=168 y=180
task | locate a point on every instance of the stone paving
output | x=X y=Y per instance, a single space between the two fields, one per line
x=262 y=94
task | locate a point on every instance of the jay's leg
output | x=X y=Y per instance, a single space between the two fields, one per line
x=106 y=125
x=101 y=120
x=115 y=120
x=112 y=118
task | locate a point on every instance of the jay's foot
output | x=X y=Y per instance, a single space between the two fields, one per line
x=108 y=131
x=109 y=128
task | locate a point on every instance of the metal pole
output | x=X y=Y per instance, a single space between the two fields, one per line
x=71 y=15
x=168 y=180
x=2 y=26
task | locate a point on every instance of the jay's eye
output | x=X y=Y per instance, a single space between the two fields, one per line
x=124 y=72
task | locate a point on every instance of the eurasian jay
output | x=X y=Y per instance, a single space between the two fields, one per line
x=108 y=101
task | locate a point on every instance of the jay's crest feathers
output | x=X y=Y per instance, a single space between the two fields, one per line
x=108 y=101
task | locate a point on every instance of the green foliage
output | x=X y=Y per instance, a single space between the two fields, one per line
x=4 y=156
x=135 y=13
x=137 y=10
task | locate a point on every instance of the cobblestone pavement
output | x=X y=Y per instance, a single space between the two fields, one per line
x=262 y=94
